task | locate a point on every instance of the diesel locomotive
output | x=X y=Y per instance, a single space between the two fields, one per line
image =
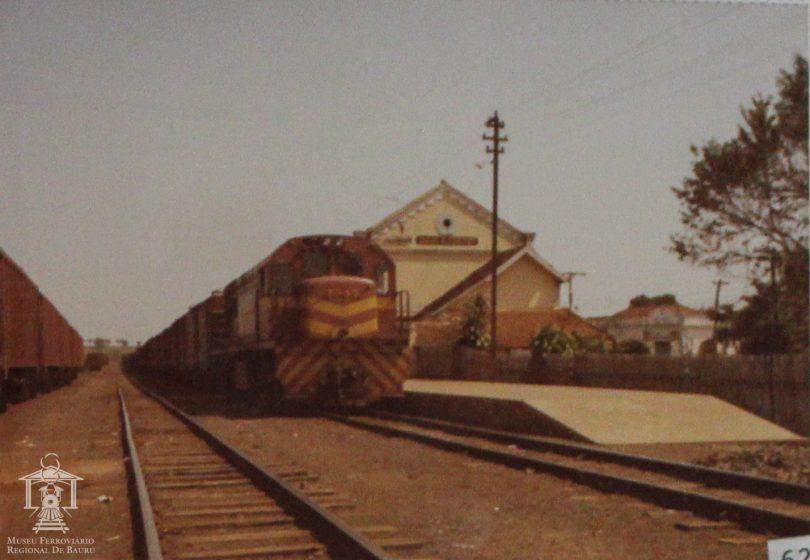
x=317 y=320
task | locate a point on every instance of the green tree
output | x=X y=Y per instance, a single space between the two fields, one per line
x=473 y=329
x=643 y=300
x=746 y=202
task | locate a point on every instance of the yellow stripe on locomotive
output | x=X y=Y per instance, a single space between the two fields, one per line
x=340 y=307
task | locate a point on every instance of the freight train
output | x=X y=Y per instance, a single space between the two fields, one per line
x=316 y=321
x=39 y=349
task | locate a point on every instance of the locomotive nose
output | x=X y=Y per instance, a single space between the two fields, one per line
x=340 y=307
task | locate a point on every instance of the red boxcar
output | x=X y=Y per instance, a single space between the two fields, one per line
x=38 y=347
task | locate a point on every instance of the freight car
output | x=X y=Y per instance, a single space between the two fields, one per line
x=317 y=320
x=39 y=349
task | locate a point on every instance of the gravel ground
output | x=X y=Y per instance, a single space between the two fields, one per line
x=80 y=423
x=469 y=509
x=783 y=461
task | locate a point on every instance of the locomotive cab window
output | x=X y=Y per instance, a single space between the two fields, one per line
x=349 y=264
x=281 y=279
x=316 y=263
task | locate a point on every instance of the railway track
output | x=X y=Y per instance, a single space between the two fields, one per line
x=725 y=498
x=198 y=498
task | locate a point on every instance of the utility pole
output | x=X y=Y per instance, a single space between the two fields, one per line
x=495 y=149
x=718 y=284
x=569 y=279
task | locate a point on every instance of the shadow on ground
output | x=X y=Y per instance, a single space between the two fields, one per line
x=206 y=400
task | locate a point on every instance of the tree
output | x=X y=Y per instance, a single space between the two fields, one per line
x=756 y=327
x=643 y=300
x=746 y=202
x=101 y=343
x=473 y=329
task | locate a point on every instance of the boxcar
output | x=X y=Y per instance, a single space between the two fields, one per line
x=38 y=347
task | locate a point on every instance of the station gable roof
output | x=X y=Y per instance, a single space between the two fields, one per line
x=444 y=191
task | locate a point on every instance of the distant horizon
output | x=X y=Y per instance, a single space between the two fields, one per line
x=154 y=152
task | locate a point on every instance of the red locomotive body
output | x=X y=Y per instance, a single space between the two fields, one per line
x=38 y=347
x=316 y=320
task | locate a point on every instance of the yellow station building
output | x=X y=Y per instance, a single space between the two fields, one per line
x=441 y=244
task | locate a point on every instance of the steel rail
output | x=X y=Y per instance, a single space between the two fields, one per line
x=148 y=528
x=758 y=485
x=338 y=536
x=748 y=516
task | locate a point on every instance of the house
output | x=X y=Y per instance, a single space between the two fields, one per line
x=664 y=325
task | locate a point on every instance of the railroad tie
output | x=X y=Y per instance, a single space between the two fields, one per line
x=172 y=525
x=270 y=550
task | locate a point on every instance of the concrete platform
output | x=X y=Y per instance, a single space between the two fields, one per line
x=604 y=416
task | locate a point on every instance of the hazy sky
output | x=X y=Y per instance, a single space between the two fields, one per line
x=152 y=151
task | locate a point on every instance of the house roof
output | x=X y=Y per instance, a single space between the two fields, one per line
x=644 y=311
x=445 y=191
x=503 y=261
x=517 y=328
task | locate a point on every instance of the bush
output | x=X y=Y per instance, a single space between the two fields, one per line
x=590 y=344
x=94 y=361
x=632 y=347
x=553 y=341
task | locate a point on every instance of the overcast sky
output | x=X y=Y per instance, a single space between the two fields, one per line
x=152 y=151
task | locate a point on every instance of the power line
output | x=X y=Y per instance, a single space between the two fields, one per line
x=655 y=78
x=608 y=63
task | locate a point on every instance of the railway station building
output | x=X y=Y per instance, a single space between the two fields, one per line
x=441 y=245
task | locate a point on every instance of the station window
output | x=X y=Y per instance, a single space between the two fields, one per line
x=316 y=263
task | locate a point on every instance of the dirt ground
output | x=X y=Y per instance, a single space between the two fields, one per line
x=469 y=509
x=789 y=462
x=80 y=424
x=464 y=508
